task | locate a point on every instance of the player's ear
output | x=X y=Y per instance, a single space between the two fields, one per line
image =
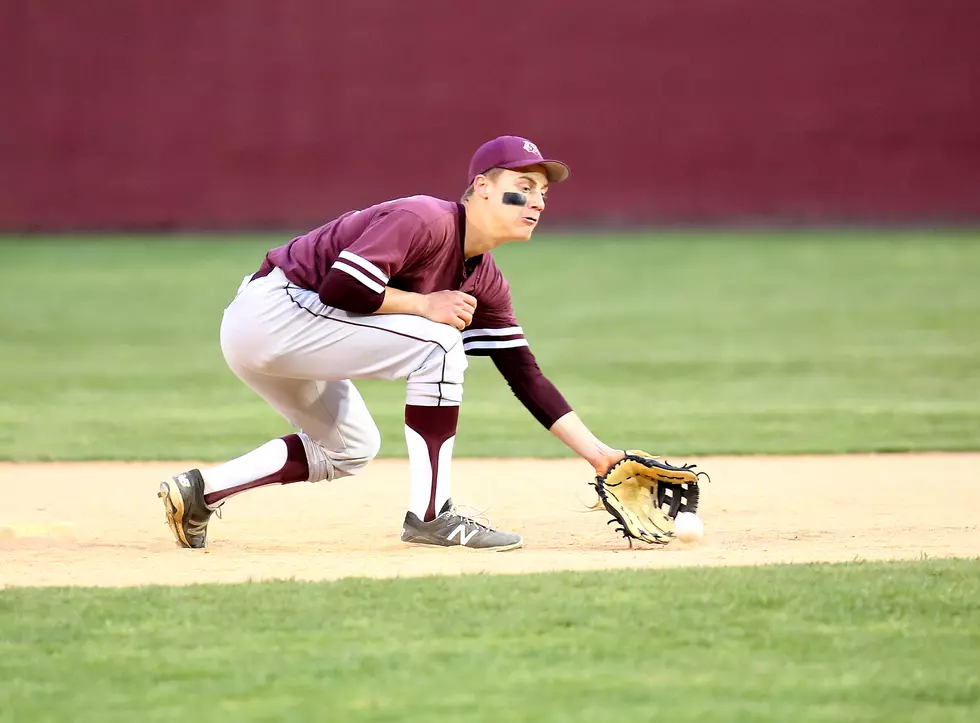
x=481 y=186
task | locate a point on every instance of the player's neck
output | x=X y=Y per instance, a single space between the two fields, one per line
x=477 y=242
x=478 y=239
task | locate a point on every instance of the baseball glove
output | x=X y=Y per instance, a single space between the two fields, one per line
x=645 y=495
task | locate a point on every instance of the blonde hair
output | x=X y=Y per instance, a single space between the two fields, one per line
x=491 y=174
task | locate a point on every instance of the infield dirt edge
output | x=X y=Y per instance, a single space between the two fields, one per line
x=105 y=526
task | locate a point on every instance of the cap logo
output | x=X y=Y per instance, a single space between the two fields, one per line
x=531 y=148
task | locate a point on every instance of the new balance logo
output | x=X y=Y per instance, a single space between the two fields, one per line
x=464 y=536
x=182 y=480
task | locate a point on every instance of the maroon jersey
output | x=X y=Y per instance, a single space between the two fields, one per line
x=413 y=244
x=416 y=244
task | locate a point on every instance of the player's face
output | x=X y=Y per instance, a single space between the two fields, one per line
x=515 y=222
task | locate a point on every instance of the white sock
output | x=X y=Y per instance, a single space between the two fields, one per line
x=420 y=473
x=262 y=462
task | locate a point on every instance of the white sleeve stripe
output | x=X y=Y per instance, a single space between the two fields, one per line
x=364 y=264
x=510 y=343
x=363 y=278
x=508 y=331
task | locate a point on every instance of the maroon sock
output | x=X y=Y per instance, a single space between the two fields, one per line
x=434 y=425
x=295 y=469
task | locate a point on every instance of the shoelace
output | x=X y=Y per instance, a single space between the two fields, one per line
x=472 y=514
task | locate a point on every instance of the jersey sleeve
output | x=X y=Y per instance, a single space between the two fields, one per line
x=494 y=326
x=496 y=333
x=357 y=279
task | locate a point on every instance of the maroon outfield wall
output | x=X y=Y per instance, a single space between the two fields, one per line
x=258 y=113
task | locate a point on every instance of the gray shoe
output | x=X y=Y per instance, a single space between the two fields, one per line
x=451 y=529
x=187 y=513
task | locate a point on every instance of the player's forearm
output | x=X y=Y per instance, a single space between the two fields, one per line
x=342 y=290
x=519 y=367
x=576 y=436
x=397 y=301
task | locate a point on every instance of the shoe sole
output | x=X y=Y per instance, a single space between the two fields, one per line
x=173 y=505
x=503 y=548
x=500 y=548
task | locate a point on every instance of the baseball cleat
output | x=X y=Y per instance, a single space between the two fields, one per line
x=187 y=513
x=452 y=529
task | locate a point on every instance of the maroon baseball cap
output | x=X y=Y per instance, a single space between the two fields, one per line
x=514 y=152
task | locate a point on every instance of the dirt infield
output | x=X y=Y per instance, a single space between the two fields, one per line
x=101 y=523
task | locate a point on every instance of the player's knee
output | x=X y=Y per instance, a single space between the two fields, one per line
x=364 y=451
x=439 y=380
x=445 y=363
x=456 y=363
x=446 y=336
x=359 y=452
x=360 y=448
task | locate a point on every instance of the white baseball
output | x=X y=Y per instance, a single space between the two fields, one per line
x=688 y=527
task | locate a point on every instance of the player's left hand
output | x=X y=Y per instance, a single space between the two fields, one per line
x=607 y=460
x=644 y=495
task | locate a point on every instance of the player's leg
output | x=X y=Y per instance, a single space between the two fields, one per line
x=428 y=355
x=276 y=332
x=338 y=438
x=434 y=393
x=328 y=343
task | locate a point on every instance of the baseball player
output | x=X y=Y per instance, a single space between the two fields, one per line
x=405 y=289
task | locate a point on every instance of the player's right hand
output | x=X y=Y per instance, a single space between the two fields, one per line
x=449 y=307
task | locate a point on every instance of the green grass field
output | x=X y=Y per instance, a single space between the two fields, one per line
x=679 y=342
x=859 y=642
